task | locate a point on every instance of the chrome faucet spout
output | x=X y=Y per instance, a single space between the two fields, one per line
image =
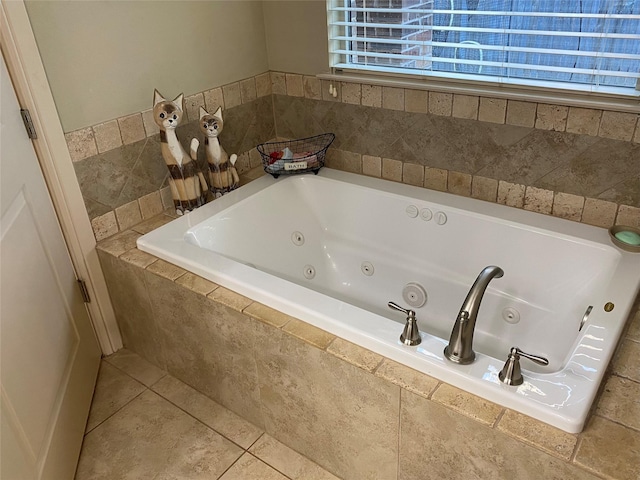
x=460 y=348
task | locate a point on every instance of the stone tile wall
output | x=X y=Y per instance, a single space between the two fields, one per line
x=119 y=165
x=576 y=163
x=354 y=412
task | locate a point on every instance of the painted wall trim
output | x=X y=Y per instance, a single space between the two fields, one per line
x=30 y=82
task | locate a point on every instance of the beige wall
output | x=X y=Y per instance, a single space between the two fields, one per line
x=297 y=36
x=104 y=58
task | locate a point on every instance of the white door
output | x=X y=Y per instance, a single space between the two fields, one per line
x=49 y=355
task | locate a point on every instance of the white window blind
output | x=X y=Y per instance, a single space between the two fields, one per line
x=585 y=45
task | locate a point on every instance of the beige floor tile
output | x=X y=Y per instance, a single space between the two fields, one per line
x=134 y=365
x=210 y=413
x=288 y=461
x=114 y=390
x=634 y=328
x=251 y=468
x=627 y=363
x=151 y=438
x=620 y=402
x=609 y=449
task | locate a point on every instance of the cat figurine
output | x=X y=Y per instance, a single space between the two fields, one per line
x=223 y=176
x=188 y=185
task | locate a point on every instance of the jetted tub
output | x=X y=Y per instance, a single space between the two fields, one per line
x=335 y=248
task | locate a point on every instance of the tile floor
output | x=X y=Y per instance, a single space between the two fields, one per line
x=145 y=424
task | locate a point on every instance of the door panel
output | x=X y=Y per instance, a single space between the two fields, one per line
x=32 y=300
x=49 y=355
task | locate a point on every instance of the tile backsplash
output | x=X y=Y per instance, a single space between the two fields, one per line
x=576 y=163
x=119 y=164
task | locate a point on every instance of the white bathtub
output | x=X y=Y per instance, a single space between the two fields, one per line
x=363 y=239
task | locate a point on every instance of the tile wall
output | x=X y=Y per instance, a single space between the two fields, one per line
x=119 y=165
x=575 y=163
x=352 y=411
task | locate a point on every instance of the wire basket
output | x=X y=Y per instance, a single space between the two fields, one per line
x=305 y=155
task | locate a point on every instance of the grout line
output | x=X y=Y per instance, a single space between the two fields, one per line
x=399 y=436
x=106 y=359
x=159 y=380
x=268 y=464
x=499 y=418
x=256 y=440
x=576 y=447
x=230 y=466
x=200 y=421
x=377 y=367
x=617 y=422
x=115 y=412
x=435 y=389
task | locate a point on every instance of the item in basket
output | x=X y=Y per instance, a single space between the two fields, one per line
x=276 y=166
x=285 y=154
x=274 y=157
x=311 y=159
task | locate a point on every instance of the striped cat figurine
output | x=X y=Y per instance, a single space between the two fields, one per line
x=223 y=176
x=188 y=185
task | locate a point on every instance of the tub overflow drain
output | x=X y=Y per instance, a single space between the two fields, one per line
x=414 y=294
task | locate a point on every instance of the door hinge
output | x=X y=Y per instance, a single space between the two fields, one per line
x=84 y=291
x=28 y=123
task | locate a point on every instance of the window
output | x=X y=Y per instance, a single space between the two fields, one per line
x=583 y=45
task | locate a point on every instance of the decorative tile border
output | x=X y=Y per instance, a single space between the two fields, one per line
x=106 y=136
x=90 y=141
x=592 y=211
x=559 y=118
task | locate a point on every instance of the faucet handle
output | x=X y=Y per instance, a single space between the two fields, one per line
x=510 y=373
x=410 y=335
x=534 y=358
x=407 y=312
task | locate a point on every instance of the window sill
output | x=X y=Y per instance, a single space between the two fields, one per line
x=511 y=92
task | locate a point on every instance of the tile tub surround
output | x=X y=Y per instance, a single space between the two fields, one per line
x=604 y=169
x=370 y=417
x=110 y=181
x=119 y=165
x=577 y=163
